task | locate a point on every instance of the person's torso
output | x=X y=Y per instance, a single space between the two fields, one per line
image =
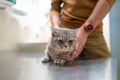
x=75 y=12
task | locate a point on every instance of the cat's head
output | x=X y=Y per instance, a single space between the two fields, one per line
x=63 y=39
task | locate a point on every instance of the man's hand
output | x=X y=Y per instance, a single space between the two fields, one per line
x=81 y=36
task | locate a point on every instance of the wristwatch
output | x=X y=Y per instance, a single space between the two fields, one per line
x=88 y=27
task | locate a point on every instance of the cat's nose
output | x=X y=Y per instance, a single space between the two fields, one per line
x=65 y=46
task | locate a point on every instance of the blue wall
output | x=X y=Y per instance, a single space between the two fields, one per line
x=115 y=32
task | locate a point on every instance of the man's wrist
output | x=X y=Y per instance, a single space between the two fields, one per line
x=83 y=31
x=88 y=27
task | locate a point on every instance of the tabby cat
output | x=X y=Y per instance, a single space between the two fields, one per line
x=60 y=46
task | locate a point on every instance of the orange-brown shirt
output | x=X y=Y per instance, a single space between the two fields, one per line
x=73 y=13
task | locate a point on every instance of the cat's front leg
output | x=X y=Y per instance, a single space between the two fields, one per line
x=61 y=62
x=45 y=59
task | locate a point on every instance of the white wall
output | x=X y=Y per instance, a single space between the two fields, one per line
x=106 y=30
x=10 y=31
x=15 y=28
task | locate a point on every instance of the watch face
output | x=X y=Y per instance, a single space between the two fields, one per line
x=89 y=27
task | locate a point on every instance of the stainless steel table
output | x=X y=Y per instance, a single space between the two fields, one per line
x=27 y=66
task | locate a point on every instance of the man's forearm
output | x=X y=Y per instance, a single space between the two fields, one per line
x=101 y=9
x=55 y=20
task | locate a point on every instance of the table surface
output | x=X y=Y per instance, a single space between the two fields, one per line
x=28 y=66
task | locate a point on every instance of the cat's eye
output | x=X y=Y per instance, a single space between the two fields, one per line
x=70 y=41
x=60 y=41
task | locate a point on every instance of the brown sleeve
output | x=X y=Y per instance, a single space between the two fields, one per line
x=55 y=7
x=111 y=2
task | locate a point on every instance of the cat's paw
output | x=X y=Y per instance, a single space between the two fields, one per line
x=45 y=60
x=60 y=62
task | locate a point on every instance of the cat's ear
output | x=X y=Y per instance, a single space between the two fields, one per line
x=54 y=34
x=53 y=31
